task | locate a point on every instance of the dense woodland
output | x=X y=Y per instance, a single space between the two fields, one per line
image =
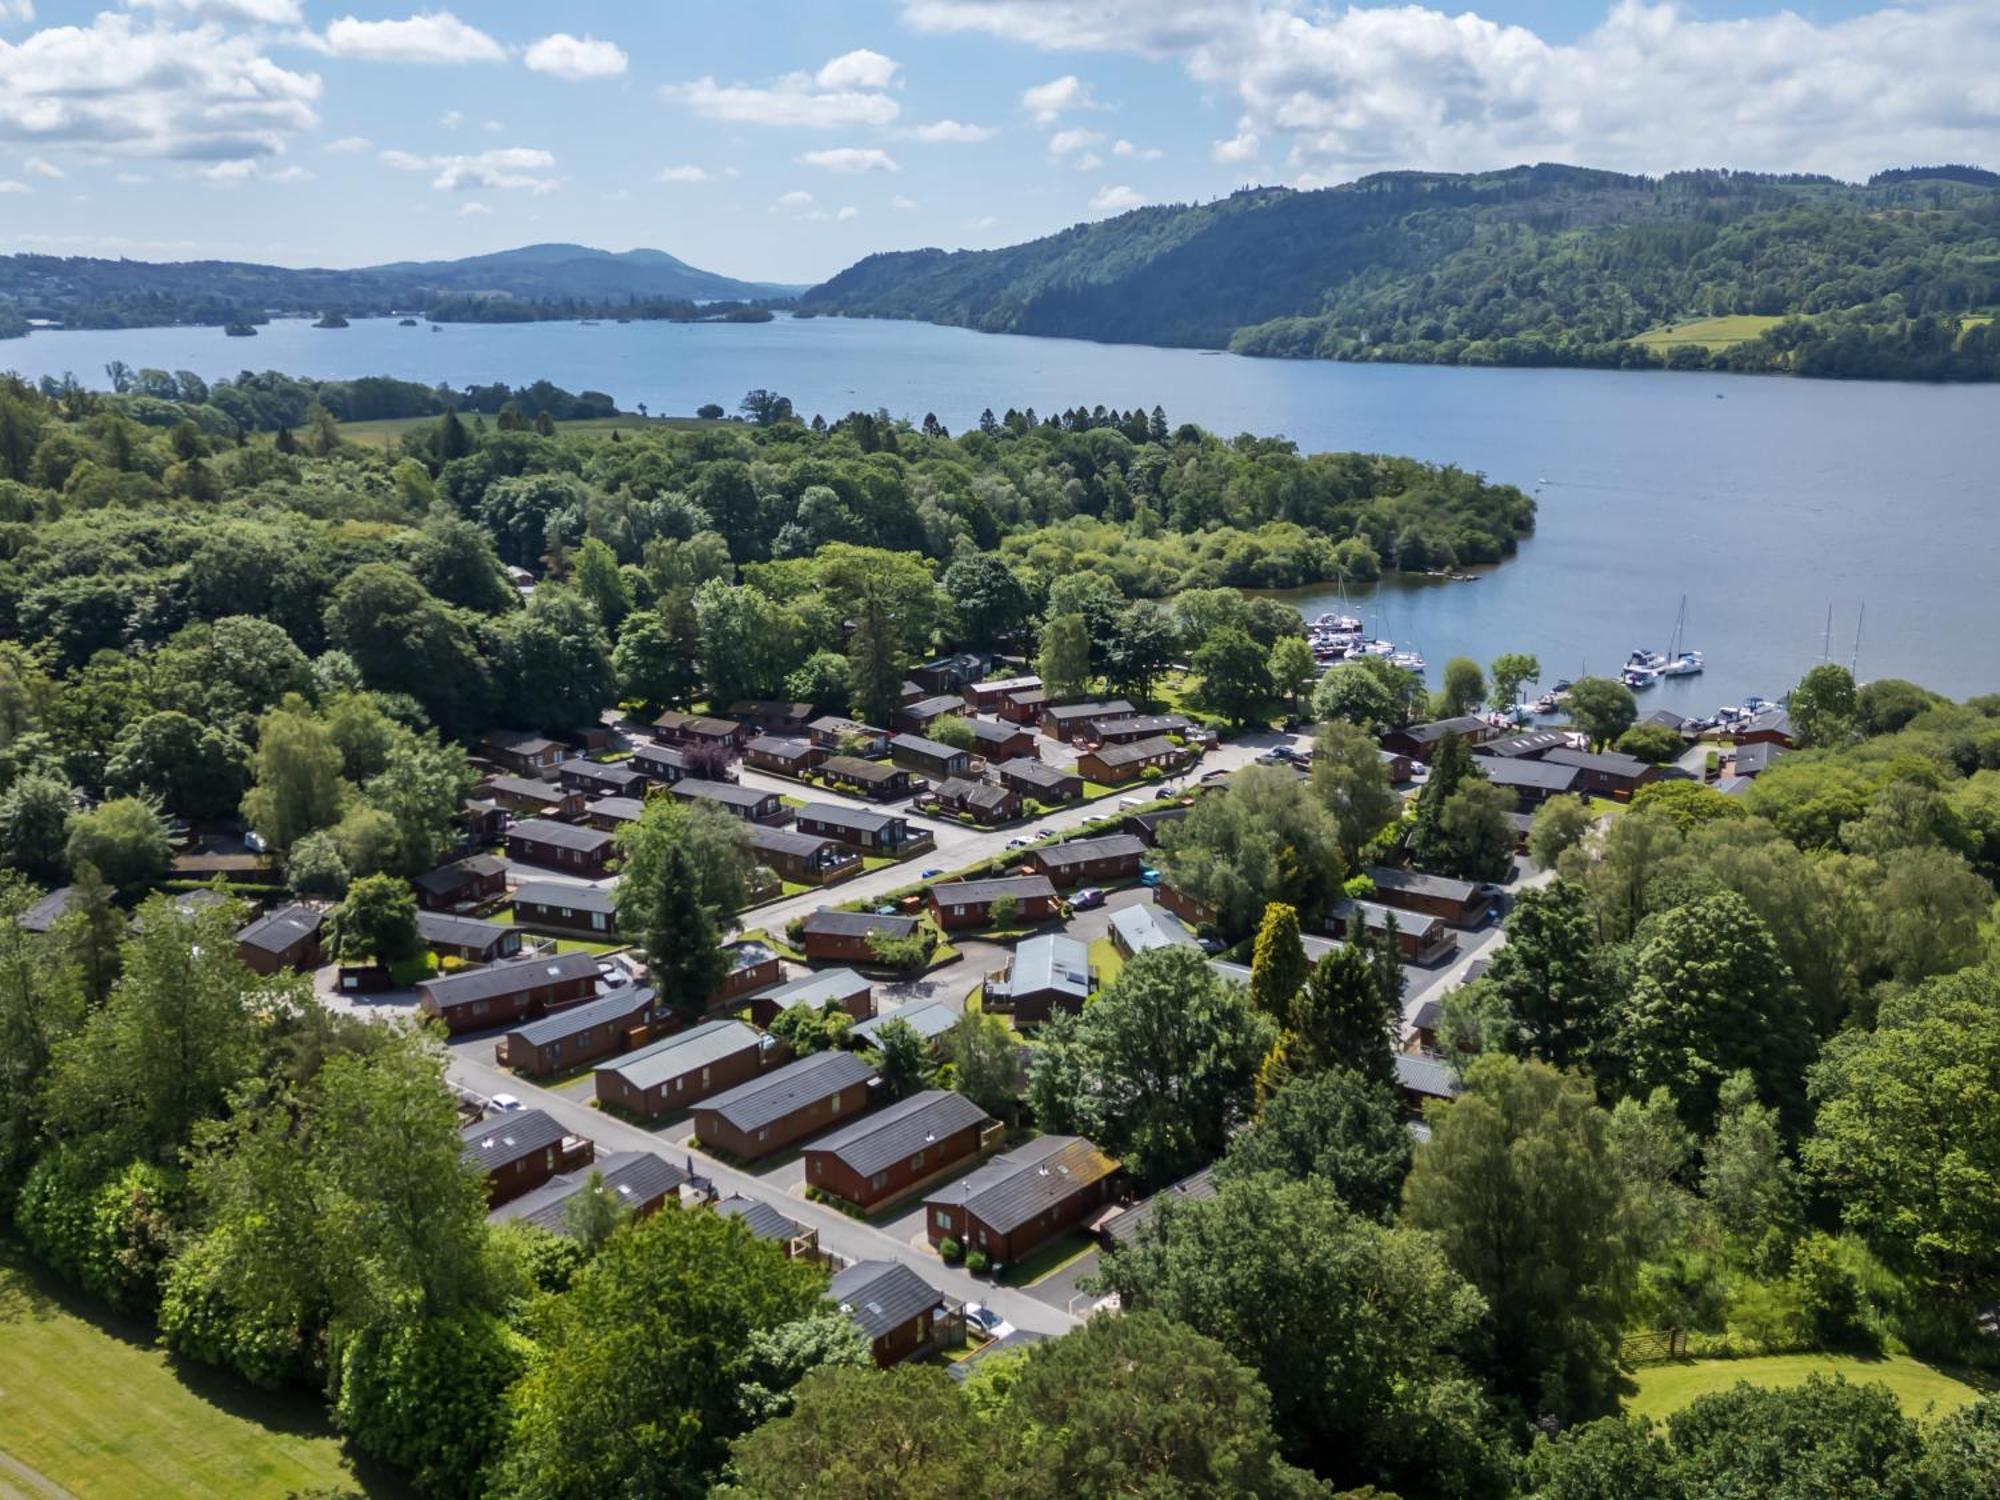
x=1733 y=1073
x=1533 y=266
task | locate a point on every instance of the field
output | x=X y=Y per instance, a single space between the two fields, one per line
x=1711 y=333
x=390 y=428
x=1666 y=1388
x=89 y=1406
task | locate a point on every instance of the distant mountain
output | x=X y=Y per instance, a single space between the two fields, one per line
x=1533 y=265
x=536 y=280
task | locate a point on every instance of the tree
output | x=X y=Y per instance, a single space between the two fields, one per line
x=126 y=840
x=952 y=730
x=35 y=815
x=1602 y=707
x=1347 y=1016
x=594 y=1213
x=742 y=642
x=777 y=1359
x=1142 y=647
x=1888 y=704
x=556 y=661
x=1234 y=674
x=1170 y=1054
x=905 y=1432
x=1823 y=708
x=1559 y=824
x=1710 y=995
x=426 y=1396
x=1745 y=1174
x=598 y=580
x=316 y=867
x=1451 y=767
x=765 y=408
x=422 y=789
x=42 y=1001
x=1655 y=744
x=985 y=1062
x=991 y=601
x=1549 y=980
x=1265 y=837
x=296 y=774
x=1464 y=689
x=91 y=931
x=377 y=919
x=1292 y=669
x=1689 y=804
x=1931 y=906
x=652 y=664
x=1278 y=963
x=664 y=910
x=902 y=1058
x=1336 y=1125
x=1371 y=693
x=1906 y=1141
x=1519 y=1184
x=1477 y=830
x=631 y=1387
x=196 y=771
x=1508 y=671
x=1351 y=780
x=717 y=844
x=1064 y=660
x=875 y=659
x=405 y=641
x=1272 y=1269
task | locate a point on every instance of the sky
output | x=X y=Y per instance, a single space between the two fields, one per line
x=786 y=140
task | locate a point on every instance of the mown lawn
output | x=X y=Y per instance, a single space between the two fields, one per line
x=1665 y=1389
x=89 y=1403
x=1711 y=333
x=1107 y=962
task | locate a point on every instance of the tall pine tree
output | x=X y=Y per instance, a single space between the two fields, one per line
x=683 y=949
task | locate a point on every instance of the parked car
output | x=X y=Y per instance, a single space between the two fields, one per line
x=1017 y=843
x=612 y=973
x=1149 y=879
x=987 y=1321
x=930 y=874
x=1212 y=946
x=1165 y=794
x=506 y=1103
x=1045 y=833
x=1086 y=898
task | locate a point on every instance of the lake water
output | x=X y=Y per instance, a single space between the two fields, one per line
x=1763 y=500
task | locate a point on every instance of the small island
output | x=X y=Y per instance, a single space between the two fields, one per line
x=236 y=328
x=330 y=320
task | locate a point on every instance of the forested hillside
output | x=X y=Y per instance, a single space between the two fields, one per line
x=1534 y=266
x=550 y=281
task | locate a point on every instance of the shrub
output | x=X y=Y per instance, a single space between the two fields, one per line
x=950 y=1251
x=427 y=1397
x=1152 y=773
x=977 y=1261
x=201 y=1318
x=111 y=1236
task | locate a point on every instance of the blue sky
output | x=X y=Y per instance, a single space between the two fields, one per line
x=786 y=140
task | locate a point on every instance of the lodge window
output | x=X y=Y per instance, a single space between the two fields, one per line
x=880 y=1179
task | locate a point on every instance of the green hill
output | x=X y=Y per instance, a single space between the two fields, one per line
x=1531 y=266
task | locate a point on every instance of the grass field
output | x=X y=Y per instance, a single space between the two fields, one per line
x=395 y=427
x=1665 y=1389
x=90 y=1404
x=1711 y=333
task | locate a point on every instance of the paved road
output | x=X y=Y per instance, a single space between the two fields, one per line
x=843 y=1236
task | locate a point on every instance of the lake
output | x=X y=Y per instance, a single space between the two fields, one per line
x=1763 y=500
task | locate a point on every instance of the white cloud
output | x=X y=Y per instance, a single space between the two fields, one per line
x=1115 y=200
x=682 y=174
x=36 y=166
x=849 y=212
x=347 y=145
x=1339 y=91
x=227 y=172
x=575 y=59
x=16 y=10
x=293 y=173
x=473 y=209
x=845 y=92
x=1063 y=142
x=900 y=202
x=984 y=221
x=250 y=12
x=1090 y=161
x=429 y=37
x=849 y=160
x=451 y=119
x=196 y=93
x=508 y=168
x=133 y=179
x=492 y=125
x=1136 y=153
x=9 y=185
x=953 y=132
x=797 y=198
x=860 y=69
x=1048 y=102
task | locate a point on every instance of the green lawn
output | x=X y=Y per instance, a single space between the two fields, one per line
x=394 y=427
x=90 y=1404
x=505 y=915
x=1106 y=960
x=1665 y=1389
x=1710 y=333
x=1045 y=1260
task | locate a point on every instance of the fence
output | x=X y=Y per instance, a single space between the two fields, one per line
x=1650 y=1348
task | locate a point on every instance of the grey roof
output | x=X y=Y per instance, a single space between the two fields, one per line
x=916 y=744
x=560 y=835
x=702 y=724
x=1755 y=759
x=1417 y=883
x=1134 y=750
x=1437 y=729
x=276 y=931
x=759 y=1218
x=930 y=1019
x=1039 y=772
x=935 y=708
x=1377 y=917
x=835 y=724
x=1428 y=1017
x=1097 y=710
x=447 y=878
x=1771 y=720
x=848 y=817
x=520 y=741
x=1005 y=684
x=1610 y=762
x=1666 y=718
x=1047 y=963
x=684 y=1052
x=977 y=793
x=1542 y=775
x=624 y=809
x=492 y=1143
x=977 y=892
x=1010 y=1190
x=634 y=1177
x=784 y=1091
x=784 y=746
x=882 y=1295
x=1083 y=851
x=727 y=792
x=616 y=773
x=1535 y=742
x=993 y=732
x=1426 y=1076
x=746 y=953
x=459 y=932
x=827 y=986
x=610 y=1010
x=857 y=923
x=527 y=786
x=1145 y=724
x=1194 y=1188
x=902 y=1130
x=786 y=840
x=1147 y=927
x=644 y=756
x=51 y=909
x=854 y=768
x=507 y=979
x=585 y=898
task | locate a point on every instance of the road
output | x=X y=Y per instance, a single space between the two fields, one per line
x=838 y=1233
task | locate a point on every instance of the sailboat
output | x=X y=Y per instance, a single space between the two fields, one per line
x=1681 y=661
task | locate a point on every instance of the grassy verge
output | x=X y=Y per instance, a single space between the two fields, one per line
x=1666 y=1388
x=91 y=1404
x=1045 y=1260
x=1710 y=333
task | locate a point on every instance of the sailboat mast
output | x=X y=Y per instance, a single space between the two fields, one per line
x=1854 y=662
